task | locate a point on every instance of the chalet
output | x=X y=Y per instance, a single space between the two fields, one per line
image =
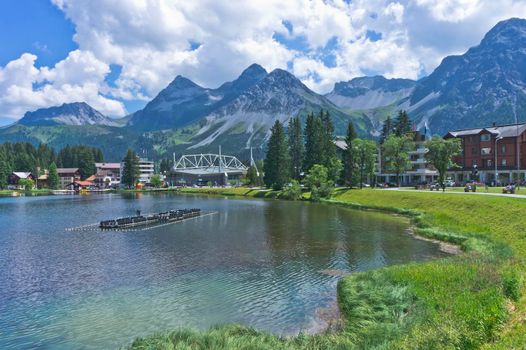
x=108 y=174
x=16 y=176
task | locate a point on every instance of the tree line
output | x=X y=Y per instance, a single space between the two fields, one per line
x=25 y=157
x=309 y=154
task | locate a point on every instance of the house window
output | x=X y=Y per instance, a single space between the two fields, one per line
x=503 y=149
x=485 y=151
x=485 y=137
x=473 y=150
x=504 y=162
x=489 y=163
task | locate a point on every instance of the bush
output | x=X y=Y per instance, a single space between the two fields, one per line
x=26 y=183
x=292 y=191
x=317 y=181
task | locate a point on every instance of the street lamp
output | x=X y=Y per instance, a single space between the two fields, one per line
x=496 y=159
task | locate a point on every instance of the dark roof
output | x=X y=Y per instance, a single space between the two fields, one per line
x=500 y=130
x=67 y=170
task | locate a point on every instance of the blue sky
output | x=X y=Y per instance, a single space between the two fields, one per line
x=118 y=54
x=35 y=26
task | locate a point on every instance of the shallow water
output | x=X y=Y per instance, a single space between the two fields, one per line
x=267 y=264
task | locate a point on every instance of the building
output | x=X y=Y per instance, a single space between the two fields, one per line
x=497 y=152
x=78 y=185
x=108 y=174
x=203 y=169
x=146 y=170
x=16 y=176
x=420 y=172
x=67 y=176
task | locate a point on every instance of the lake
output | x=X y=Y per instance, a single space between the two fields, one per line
x=269 y=264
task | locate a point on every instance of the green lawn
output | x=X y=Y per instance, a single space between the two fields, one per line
x=468 y=301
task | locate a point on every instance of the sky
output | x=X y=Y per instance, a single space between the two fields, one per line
x=116 y=55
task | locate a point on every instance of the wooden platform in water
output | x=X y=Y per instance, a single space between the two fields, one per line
x=95 y=227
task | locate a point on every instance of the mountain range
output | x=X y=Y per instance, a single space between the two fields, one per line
x=486 y=84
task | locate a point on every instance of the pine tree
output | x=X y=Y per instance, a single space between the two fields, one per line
x=130 y=173
x=387 y=130
x=328 y=147
x=53 y=178
x=348 y=162
x=402 y=125
x=86 y=163
x=313 y=142
x=296 y=147
x=277 y=162
x=4 y=171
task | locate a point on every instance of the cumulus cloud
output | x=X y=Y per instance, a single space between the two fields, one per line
x=210 y=41
x=79 y=77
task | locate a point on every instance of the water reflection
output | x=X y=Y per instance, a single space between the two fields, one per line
x=256 y=262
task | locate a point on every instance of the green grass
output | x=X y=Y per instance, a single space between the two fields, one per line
x=41 y=192
x=468 y=301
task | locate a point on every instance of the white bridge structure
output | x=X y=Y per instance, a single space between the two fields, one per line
x=201 y=169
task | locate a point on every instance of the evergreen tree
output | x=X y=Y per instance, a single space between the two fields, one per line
x=296 y=147
x=53 y=178
x=348 y=162
x=4 y=171
x=402 y=125
x=277 y=162
x=313 y=142
x=165 y=166
x=130 y=173
x=387 y=130
x=328 y=149
x=86 y=163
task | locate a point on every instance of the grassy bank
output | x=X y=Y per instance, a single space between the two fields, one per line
x=42 y=192
x=468 y=301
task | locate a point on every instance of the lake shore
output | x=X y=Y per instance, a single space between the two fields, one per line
x=468 y=301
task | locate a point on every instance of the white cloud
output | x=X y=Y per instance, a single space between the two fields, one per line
x=155 y=40
x=450 y=10
x=79 y=77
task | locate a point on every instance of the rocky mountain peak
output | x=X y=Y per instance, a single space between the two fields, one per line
x=77 y=113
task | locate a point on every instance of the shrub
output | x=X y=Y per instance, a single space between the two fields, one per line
x=292 y=191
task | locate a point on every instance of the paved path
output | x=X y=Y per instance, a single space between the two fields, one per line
x=462 y=193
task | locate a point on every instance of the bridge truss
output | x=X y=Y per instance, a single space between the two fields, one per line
x=209 y=162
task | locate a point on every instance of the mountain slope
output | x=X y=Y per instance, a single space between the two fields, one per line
x=183 y=102
x=486 y=84
x=279 y=96
x=78 y=113
x=370 y=92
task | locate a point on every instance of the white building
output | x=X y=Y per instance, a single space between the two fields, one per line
x=146 y=170
x=421 y=171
